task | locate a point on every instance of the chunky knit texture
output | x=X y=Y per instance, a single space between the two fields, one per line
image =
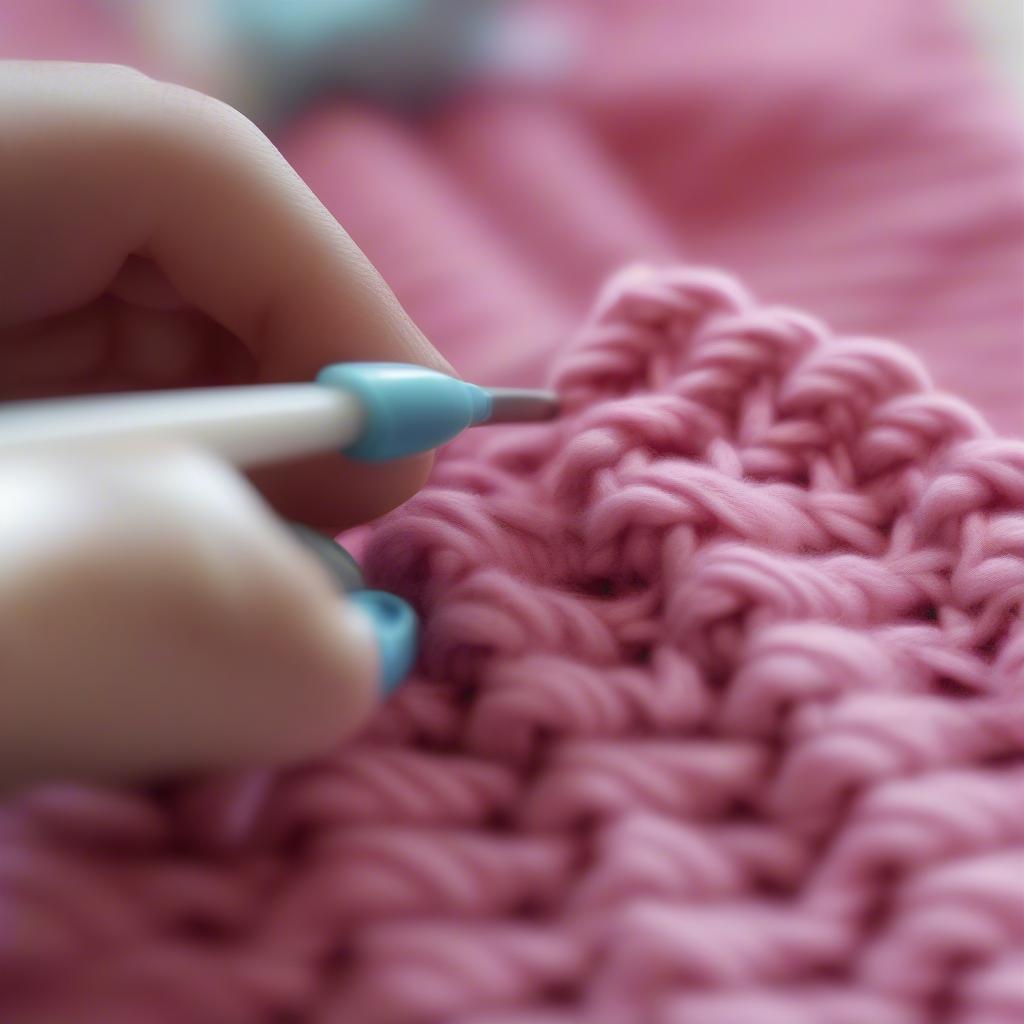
x=721 y=716
x=720 y=719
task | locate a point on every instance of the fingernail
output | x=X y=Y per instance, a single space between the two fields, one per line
x=396 y=629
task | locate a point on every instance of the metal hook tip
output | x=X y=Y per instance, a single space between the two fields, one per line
x=523 y=405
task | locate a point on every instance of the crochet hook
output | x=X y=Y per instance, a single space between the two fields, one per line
x=373 y=412
x=369 y=411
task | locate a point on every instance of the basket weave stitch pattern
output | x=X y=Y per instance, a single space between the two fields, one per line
x=719 y=718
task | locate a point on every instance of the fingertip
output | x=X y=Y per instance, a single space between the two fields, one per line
x=332 y=492
x=369 y=645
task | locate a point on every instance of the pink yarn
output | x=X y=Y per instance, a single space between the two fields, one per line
x=720 y=716
x=719 y=719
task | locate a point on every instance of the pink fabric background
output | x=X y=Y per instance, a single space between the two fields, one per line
x=851 y=158
x=719 y=713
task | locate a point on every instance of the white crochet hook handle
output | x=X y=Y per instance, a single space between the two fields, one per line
x=370 y=411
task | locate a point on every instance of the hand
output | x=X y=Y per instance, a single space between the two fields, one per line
x=154 y=617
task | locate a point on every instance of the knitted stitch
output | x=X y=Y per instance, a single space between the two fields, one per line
x=719 y=719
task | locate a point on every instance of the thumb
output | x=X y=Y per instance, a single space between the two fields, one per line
x=154 y=619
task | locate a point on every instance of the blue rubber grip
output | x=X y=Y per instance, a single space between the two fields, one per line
x=396 y=629
x=408 y=409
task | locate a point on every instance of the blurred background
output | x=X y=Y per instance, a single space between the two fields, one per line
x=862 y=159
x=999 y=28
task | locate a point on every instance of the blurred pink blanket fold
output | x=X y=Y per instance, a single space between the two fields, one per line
x=850 y=158
x=853 y=159
x=720 y=715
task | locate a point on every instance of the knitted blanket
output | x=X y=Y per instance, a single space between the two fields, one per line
x=720 y=718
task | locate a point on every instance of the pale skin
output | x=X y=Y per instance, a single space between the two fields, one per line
x=155 y=619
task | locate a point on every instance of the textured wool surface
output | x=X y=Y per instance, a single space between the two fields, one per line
x=720 y=718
